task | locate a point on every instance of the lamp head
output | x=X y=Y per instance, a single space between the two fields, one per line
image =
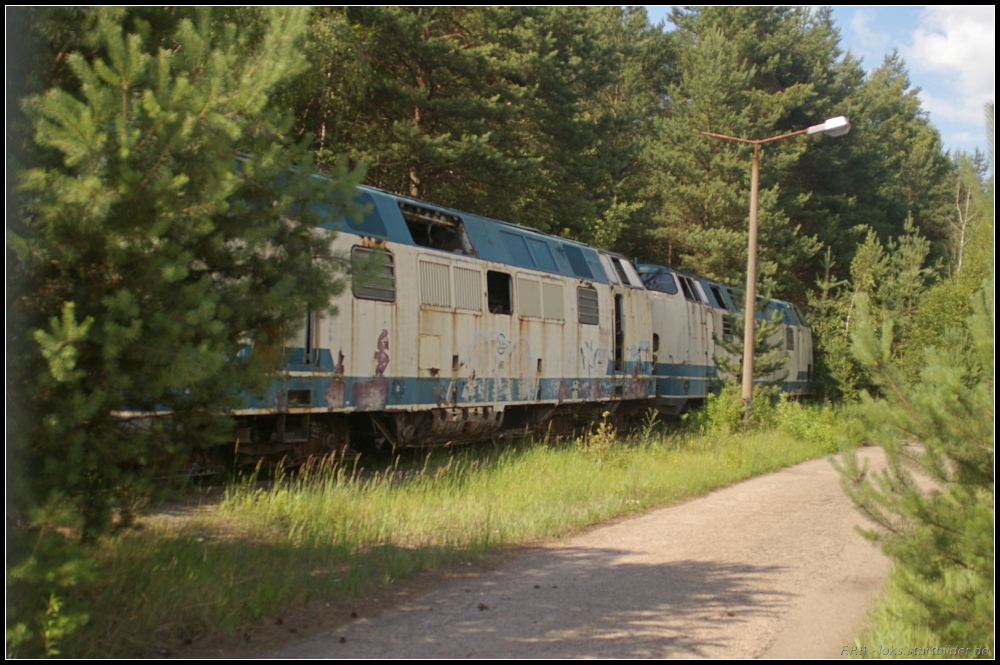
x=833 y=126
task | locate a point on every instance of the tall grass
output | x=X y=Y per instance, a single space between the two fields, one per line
x=331 y=531
x=894 y=629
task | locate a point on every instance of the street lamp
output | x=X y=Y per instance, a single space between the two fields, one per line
x=834 y=127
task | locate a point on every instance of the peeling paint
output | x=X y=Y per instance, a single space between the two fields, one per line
x=381 y=355
x=334 y=395
x=370 y=395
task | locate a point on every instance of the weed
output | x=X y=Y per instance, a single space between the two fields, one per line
x=335 y=531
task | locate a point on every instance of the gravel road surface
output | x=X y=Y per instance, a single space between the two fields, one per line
x=771 y=567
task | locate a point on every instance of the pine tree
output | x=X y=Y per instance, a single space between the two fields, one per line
x=430 y=99
x=147 y=254
x=549 y=105
x=751 y=73
x=769 y=353
x=941 y=425
x=891 y=280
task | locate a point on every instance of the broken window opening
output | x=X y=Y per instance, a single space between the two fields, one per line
x=717 y=292
x=436 y=229
x=498 y=290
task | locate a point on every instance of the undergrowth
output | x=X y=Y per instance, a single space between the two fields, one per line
x=894 y=629
x=333 y=531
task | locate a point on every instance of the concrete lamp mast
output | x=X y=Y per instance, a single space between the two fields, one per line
x=834 y=127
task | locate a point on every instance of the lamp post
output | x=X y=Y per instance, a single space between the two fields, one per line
x=834 y=127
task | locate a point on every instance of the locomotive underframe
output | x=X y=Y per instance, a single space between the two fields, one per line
x=295 y=437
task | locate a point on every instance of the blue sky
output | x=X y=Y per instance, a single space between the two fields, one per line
x=950 y=53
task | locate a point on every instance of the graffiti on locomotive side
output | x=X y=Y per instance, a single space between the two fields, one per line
x=590 y=355
x=496 y=369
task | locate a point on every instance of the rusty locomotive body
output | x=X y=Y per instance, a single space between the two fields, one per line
x=465 y=327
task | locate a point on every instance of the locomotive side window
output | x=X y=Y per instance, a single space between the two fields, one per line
x=690 y=290
x=587 y=305
x=717 y=292
x=631 y=276
x=542 y=255
x=620 y=270
x=436 y=229
x=498 y=294
x=372 y=279
x=577 y=262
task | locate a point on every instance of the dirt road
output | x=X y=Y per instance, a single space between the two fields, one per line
x=771 y=567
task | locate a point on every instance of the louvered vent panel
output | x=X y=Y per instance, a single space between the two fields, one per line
x=588 y=305
x=434 y=285
x=468 y=289
x=529 y=297
x=552 y=301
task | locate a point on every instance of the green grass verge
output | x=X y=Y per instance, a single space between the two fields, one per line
x=893 y=630
x=334 y=533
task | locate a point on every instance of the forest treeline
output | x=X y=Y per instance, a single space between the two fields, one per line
x=140 y=262
x=584 y=122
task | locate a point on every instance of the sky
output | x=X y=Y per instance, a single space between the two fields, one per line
x=949 y=52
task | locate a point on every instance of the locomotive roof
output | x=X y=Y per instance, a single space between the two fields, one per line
x=788 y=314
x=492 y=240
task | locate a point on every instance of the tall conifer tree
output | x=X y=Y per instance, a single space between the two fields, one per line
x=148 y=254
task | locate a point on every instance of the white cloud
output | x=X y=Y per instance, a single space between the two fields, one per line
x=870 y=41
x=958 y=42
x=963 y=109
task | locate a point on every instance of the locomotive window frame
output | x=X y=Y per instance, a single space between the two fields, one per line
x=661 y=282
x=690 y=290
x=609 y=268
x=436 y=229
x=499 y=292
x=717 y=292
x=379 y=283
x=632 y=277
x=588 y=305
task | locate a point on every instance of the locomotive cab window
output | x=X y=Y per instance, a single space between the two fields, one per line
x=436 y=229
x=631 y=276
x=660 y=281
x=689 y=288
x=498 y=292
x=373 y=274
x=717 y=292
